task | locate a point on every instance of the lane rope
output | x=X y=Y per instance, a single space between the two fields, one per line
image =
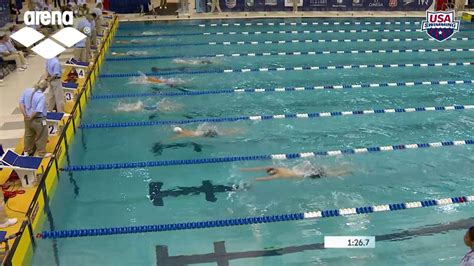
x=314 y=23
x=279 y=116
x=282 y=69
x=397 y=147
x=283 y=89
x=264 y=219
x=311 y=23
x=288 y=41
x=269 y=32
x=297 y=53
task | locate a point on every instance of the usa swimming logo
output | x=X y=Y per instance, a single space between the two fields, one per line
x=440 y=25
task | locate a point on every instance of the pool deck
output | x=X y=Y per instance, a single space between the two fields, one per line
x=275 y=14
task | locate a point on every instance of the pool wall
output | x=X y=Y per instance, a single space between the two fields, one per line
x=39 y=214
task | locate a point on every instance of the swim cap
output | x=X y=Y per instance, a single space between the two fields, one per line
x=177 y=129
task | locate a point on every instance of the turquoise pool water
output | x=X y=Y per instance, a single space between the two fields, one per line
x=121 y=197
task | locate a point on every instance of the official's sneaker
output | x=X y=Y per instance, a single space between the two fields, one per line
x=9 y=222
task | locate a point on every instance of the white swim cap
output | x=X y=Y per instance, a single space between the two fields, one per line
x=177 y=130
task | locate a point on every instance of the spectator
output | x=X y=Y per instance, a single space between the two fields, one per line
x=14 y=28
x=57 y=3
x=82 y=48
x=4 y=220
x=9 y=52
x=14 y=12
x=215 y=5
x=83 y=9
x=55 y=97
x=163 y=4
x=468 y=259
x=93 y=28
x=72 y=5
x=98 y=20
x=33 y=108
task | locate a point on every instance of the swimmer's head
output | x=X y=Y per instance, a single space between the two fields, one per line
x=469 y=237
x=177 y=130
x=271 y=171
x=114 y=53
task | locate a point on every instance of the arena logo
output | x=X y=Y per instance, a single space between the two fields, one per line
x=58 y=42
x=46 y=18
x=440 y=25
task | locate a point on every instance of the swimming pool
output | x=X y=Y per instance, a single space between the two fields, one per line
x=325 y=82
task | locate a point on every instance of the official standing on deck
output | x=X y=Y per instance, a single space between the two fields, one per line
x=55 y=97
x=82 y=48
x=98 y=19
x=33 y=108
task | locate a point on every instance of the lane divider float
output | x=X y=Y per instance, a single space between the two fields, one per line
x=284 y=69
x=271 y=117
x=296 y=53
x=264 y=219
x=270 y=32
x=282 y=156
x=283 y=89
x=226 y=43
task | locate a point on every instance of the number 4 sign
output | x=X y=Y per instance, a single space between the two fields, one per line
x=81 y=73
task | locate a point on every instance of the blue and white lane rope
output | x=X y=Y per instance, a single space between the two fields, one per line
x=264 y=219
x=269 y=32
x=288 y=42
x=298 y=53
x=309 y=23
x=284 y=89
x=397 y=147
x=314 y=23
x=271 y=117
x=283 y=69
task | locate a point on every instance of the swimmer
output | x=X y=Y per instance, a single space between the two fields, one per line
x=148 y=33
x=131 y=53
x=304 y=170
x=144 y=79
x=164 y=105
x=181 y=69
x=129 y=42
x=193 y=61
x=205 y=130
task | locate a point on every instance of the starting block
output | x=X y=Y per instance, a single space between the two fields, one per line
x=80 y=67
x=25 y=166
x=70 y=91
x=52 y=121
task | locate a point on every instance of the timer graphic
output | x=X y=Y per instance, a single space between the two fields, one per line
x=349 y=242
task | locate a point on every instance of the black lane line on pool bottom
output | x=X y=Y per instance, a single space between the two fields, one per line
x=207 y=188
x=222 y=257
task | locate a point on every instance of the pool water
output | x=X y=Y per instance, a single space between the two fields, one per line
x=112 y=198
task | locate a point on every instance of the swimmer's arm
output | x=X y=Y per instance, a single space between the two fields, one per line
x=336 y=172
x=267 y=178
x=255 y=169
x=273 y=177
x=154 y=80
x=176 y=137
